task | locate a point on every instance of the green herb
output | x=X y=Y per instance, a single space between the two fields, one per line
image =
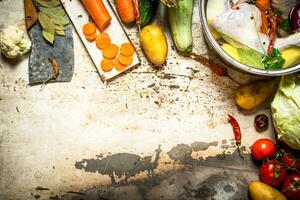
x=274 y=60
x=278 y=13
x=52 y=18
x=79 y=16
x=285 y=25
x=250 y=57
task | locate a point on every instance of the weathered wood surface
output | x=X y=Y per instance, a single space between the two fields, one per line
x=149 y=134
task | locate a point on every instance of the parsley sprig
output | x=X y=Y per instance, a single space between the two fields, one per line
x=274 y=60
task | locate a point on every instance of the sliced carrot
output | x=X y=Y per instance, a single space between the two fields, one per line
x=99 y=13
x=89 y=29
x=111 y=51
x=103 y=40
x=127 y=49
x=107 y=65
x=125 y=60
x=119 y=66
x=91 y=37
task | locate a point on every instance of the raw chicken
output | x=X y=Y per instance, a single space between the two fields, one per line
x=240 y=28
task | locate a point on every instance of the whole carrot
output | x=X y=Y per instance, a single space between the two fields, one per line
x=98 y=12
x=137 y=14
x=126 y=10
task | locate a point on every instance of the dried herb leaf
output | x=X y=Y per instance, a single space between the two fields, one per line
x=48 y=3
x=46 y=23
x=57 y=14
x=59 y=27
x=48 y=36
x=250 y=57
x=56 y=10
x=60 y=32
x=52 y=18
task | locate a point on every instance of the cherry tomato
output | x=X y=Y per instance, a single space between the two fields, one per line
x=286 y=157
x=263 y=148
x=272 y=173
x=288 y=160
x=291 y=186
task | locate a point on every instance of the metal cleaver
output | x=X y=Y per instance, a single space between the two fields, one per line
x=40 y=68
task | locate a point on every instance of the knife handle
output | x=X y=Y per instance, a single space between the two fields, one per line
x=30 y=14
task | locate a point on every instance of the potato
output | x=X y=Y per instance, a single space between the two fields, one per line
x=154 y=44
x=252 y=95
x=232 y=51
x=291 y=56
x=261 y=191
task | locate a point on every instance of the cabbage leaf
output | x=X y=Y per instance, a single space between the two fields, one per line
x=286 y=110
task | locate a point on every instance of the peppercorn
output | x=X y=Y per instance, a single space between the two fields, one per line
x=261 y=122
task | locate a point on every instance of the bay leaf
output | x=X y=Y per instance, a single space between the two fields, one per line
x=59 y=27
x=48 y=36
x=58 y=10
x=251 y=58
x=60 y=32
x=46 y=23
x=56 y=15
x=48 y=3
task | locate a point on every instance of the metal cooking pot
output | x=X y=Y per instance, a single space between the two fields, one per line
x=231 y=61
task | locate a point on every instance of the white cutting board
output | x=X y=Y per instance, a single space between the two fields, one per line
x=79 y=16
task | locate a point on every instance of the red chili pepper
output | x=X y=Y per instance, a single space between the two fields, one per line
x=237 y=132
x=273 y=29
x=272 y=33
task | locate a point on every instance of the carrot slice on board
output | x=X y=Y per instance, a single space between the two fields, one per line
x=103 y=40
x=119 y=66
x=125 y=60
x=89 y=29
x=111 y=51
x=127 y=49
x=91 y=37
x=107 y=65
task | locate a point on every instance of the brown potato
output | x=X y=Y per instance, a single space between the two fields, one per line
x=252 y=95
x=262 y=191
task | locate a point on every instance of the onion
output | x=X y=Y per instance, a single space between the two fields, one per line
x=295 y=18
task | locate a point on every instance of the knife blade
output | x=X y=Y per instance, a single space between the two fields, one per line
x=40 y=69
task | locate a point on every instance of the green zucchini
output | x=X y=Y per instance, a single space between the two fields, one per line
x=180 y=20
x=147 y=11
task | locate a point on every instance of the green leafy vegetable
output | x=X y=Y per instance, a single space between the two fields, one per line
x=52 y=18
x=274 y=60
x=286 y=110
x=250 y=57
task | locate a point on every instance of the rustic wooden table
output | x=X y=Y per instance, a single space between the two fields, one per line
x=149 y=134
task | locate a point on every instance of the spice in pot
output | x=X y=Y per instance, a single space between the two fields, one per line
x=261 y=122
